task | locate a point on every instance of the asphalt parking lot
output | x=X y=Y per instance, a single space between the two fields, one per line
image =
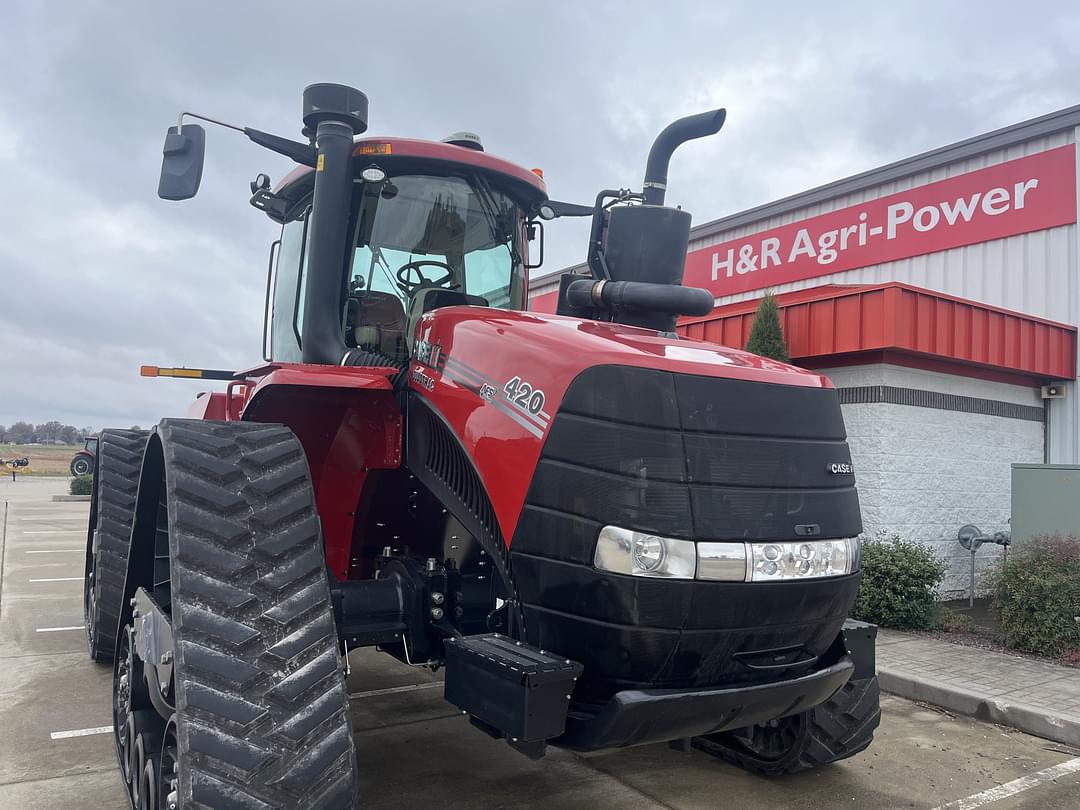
x=415 y=750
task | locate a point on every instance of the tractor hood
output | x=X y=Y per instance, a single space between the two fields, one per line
x=497 y=378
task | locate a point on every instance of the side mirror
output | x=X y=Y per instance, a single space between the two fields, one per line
x=535 y=230
x=182 y=162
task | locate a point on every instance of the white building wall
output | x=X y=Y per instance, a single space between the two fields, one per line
x=922 y=473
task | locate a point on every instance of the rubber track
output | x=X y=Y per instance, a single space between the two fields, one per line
x=837 y=729
x=262 y=713
x=116 y=483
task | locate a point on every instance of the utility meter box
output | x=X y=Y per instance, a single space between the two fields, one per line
x=1045 y=500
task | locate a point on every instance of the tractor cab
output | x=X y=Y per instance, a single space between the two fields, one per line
x=388 y=228
x=441 y=225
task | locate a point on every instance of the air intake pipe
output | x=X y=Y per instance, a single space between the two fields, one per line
x=332 y=115
x=671 y=138
x=639 y=297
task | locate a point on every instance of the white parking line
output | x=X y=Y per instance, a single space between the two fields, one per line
x=59 y=531
x=393 y=690
x=80 y=732
x=55 y=550
x=32 y=508
x=999 y=792
x=59 y=579
x=50 y=518
x=57 y=629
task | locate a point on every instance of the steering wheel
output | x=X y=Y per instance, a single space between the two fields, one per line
x=406 y=272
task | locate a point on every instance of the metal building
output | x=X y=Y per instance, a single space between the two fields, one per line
x=941 y=295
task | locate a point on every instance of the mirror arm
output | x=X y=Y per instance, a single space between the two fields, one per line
x=302 y=153
x=180 y=121
x=562 y=209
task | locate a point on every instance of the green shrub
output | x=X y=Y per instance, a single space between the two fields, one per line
x=766 y=333
x=898 y=581
x=1037 y=596
x=951 y=621
x=82 y=484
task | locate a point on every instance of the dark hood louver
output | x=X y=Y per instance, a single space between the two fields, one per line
x=442 y=457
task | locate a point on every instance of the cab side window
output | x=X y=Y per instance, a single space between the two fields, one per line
x=288 y=303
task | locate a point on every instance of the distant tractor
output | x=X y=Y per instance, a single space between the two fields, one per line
x=604 y=534
x=86 y=459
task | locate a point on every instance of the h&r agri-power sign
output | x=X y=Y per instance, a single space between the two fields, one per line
x=1022 y=195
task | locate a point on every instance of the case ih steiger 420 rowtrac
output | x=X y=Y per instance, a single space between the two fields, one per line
x=605 y=534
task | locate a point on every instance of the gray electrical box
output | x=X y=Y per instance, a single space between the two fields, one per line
x=1045 y=500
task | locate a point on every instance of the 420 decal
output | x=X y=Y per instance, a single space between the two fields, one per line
x=524 y=395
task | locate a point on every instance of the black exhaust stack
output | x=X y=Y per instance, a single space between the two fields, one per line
x=638 y=252
x=333 y=114
x=671 y=138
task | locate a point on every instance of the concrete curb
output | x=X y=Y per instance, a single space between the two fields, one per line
x=1059 y=728
x=70 y=498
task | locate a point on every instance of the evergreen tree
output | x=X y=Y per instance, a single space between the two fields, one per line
x=766 y=335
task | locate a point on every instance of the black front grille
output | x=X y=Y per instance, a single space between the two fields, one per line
x=699 y=458
x=702 y=458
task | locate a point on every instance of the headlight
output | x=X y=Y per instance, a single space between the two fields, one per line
x=639 y=554
x=807 y=559
x=644 y=555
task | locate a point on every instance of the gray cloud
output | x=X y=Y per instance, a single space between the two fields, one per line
x=97 y=275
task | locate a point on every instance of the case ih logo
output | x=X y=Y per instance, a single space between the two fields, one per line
x=1027 y=194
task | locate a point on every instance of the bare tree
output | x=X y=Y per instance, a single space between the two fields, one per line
x=21 y=433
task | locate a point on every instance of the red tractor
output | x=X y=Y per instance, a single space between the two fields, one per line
x=606 y=534
x=82 y=463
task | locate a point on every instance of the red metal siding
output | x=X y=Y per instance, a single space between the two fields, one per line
x=836 y=320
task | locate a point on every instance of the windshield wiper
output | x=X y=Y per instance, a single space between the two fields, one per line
x=377 y=255
x=490 y=210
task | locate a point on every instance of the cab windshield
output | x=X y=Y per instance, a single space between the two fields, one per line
x=420 y=232
x=418 y=242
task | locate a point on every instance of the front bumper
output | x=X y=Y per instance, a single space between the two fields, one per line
x=640 y=716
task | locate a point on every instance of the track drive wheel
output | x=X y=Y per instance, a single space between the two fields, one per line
x=233 y=628
x=837 y=729
x=112 y=508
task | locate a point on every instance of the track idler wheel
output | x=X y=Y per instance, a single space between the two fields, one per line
x=129 y=701
x=146 y=753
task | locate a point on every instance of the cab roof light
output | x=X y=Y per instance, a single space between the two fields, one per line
x=374 y=149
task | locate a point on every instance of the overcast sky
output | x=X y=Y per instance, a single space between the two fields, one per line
x=98 y=276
